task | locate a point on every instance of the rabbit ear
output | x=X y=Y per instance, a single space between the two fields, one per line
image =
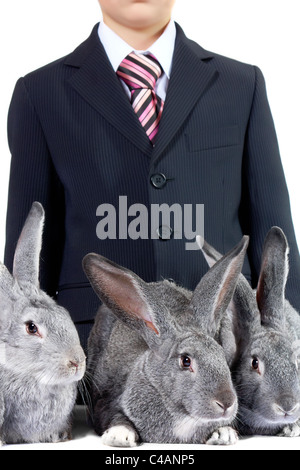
x=126 y=295
x=210 y=254
x=6 y=282
x=27 y=255
x=6 y=298
x=272 y=279
x=213 y=294
x=244 y=301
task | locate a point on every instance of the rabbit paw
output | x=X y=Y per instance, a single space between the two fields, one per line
x=120 y=436
x=293 y=430
x=225 y=436
x=65 y=436
x=53 y=438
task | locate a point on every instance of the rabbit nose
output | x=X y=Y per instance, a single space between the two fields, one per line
x=78 y=362
x=77 y=367
x=73 y=364
x=286 y=406
x=225 y=402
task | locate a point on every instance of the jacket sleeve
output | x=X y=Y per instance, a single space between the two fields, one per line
x=265 y=199
x=33 y=178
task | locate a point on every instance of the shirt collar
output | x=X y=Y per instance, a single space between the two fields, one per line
x=117 y=49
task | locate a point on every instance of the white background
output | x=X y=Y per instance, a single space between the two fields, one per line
x=261 y=32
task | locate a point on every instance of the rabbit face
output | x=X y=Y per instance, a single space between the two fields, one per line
x=267 y=381
x=196 y=378
x=38 y=338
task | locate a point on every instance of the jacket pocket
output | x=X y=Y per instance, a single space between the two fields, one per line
x=210 y=138
x=77 y=285
x=80 y=300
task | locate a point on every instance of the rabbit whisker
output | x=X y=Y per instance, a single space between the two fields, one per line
x=85 y=395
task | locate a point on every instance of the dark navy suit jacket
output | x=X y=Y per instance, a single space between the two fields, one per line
x=76 y=144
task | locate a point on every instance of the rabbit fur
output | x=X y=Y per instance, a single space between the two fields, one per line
x=159 y=372
x=267 y=329
x=41 y=359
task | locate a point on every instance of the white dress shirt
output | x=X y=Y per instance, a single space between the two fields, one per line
x=163 y=49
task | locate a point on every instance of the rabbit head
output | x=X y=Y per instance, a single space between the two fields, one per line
x=37 y=336
x=181 y=357
x=266 y=368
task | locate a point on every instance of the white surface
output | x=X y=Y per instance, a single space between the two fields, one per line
x=84 y=438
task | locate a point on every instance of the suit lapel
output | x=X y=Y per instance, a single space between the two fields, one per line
x=96 y=81
x=191 y=76
x=98 y=84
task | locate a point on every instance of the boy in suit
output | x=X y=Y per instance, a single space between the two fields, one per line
x=139 y=116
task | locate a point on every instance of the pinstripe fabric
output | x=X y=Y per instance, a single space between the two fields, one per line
x=140 y=73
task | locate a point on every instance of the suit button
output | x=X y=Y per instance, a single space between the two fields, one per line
x=164 y=232
x=158 y=180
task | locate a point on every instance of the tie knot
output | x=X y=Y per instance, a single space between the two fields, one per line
x=139 y=71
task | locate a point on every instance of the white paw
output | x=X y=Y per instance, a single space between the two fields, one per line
x=120 y=436
x=225 y=436
x=293 y=430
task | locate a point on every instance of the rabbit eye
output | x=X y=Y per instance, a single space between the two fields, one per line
x=186 y=363
x=32 y=329
x=255 y=364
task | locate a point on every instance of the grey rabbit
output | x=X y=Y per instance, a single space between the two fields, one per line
x=159 y=374
x=41 y=359
x=267 y=329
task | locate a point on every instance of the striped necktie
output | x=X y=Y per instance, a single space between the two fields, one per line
x=140 y=73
